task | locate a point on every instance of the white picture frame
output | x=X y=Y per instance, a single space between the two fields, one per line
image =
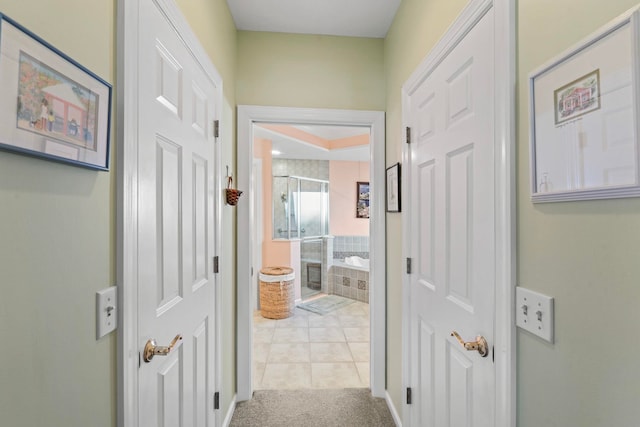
x=584 y=118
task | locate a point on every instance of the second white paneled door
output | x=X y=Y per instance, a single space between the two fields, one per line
x=452 y=240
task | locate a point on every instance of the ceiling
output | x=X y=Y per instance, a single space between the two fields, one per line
x=354 y=18
x=292 y=148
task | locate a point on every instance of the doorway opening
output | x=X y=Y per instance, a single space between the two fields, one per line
x=315 y=197
x=296 y=212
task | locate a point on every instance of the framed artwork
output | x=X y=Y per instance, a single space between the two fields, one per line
x=393 y=188
x=362 y=200
x=52 y=107
x=584 y=118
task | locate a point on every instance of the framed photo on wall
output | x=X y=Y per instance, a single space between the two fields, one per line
x=362 y=201
x=393 y=188
x=50 y=105
x=584 y=118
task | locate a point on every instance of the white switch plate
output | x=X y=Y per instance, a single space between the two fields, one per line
x=534 y=313
x=106 y=311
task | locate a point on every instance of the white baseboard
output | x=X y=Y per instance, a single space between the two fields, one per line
x=392 y=409
x=232 y=409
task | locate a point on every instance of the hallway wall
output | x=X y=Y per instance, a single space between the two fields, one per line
x=57 y=228
x=58 y=232
x=299 y=70
x=585 y=254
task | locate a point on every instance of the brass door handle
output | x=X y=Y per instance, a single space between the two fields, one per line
x=480 y=344
x=151 y=349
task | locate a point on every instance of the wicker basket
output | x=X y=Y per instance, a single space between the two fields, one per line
x=232 y=194
x=277 y=298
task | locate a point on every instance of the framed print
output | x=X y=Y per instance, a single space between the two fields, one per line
x=393 y=188
x=362 y=204
x=584 y=118
x=52 y=107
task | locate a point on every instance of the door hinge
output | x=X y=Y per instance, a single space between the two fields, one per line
x=216 y=128
x=216 y=264
x=408 y=265
x=408 y=395
x=216 y=400
x=408 y=135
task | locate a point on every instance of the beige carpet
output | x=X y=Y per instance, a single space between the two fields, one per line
x=349 y=407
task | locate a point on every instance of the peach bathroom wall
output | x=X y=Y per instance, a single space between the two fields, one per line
x=278 y=252
x=262 y=150
x=343 y=176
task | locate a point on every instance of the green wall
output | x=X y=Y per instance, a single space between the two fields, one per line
x=58 y=234
x=585 y=254
x=297 y=70
x=57 y=228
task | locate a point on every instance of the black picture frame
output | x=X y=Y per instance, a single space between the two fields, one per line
x=394 y=189
x=362 y=199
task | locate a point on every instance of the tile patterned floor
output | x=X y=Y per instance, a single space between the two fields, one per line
x=312 y=351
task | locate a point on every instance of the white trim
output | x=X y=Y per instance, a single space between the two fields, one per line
x=247 y=115
x=127 y=213
x=504 y=47
x=230 y=412
x=392 y=409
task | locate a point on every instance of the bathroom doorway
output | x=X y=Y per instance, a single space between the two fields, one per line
x=310 y=246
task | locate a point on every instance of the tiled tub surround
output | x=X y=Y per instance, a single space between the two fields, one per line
x=349 y=282
x=344 y=246
x=312 y=351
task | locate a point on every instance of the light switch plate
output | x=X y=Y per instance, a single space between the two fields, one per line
x=534 y=313
x=106 y=311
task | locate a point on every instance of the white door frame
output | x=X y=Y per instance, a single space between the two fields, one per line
x=505 y=186
x=247 y=116
x=127 y=211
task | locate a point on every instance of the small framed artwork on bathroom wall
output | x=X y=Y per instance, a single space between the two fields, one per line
x=362 y=201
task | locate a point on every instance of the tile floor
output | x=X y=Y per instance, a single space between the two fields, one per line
x=308 y=350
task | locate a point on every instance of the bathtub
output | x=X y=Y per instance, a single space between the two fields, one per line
x=354 y=262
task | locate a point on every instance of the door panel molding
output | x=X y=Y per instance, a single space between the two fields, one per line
x=247 y=115
x=128 y=14
x=504 y=130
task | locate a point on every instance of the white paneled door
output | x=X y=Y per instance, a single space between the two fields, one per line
x=452 y=239
x=176 y=240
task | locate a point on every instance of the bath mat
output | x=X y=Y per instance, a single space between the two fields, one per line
x=324 y=305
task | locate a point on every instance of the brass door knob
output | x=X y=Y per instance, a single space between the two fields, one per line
x=480 y=344
x=151 y=349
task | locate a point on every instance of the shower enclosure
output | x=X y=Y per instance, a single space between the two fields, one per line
x=300 y=207
x=301 y=211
